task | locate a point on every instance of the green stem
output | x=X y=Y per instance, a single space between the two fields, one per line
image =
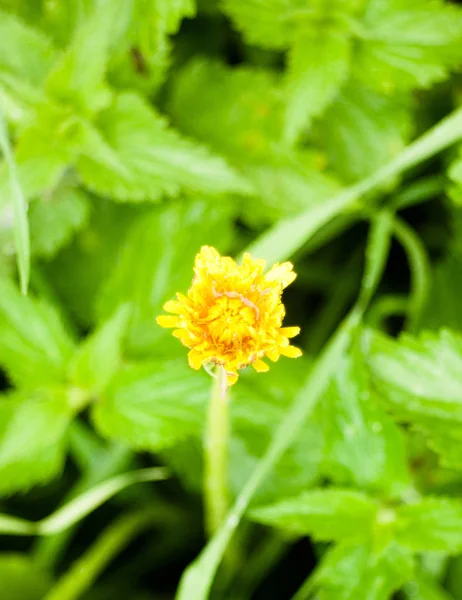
x=216 y=455
x=385 y=307
x=419 y=265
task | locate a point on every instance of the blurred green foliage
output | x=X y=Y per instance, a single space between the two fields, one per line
x=141 y=130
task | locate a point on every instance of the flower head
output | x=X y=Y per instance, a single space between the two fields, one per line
x=232 y=314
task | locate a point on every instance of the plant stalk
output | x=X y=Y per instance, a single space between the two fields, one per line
x=216 y=454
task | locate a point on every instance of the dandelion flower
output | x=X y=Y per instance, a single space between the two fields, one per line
x=232 y=314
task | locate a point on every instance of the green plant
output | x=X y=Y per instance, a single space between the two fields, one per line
x=133 y=132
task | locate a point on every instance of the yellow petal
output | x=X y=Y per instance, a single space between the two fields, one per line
x=290 y=351
x=182 y=335
x=172 y=306
x=260 y=366
x=231 y=377
x=273 y=354
x=281 y=340
x=206 y=256
x=253 y=263
x=289 y=332
x=168 y=321
x=195 y=359
x=283 y=273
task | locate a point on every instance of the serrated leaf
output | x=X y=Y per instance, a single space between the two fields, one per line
x=355 y=427
x=32 y=437
x=420 y=379
x=152 y=406
x=318 y=65
x=35 y=348
x=53 y=221
x=433 y=524
x=78 y=78
x=419 y=376
x=408 y=44
x=21 y=578
x=348 y=573
x=155 y=161
x=156 y=262
x=362 y=130
x=155 y=19
x=329 y=514
x=99 y=356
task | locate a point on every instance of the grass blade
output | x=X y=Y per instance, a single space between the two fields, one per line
x=287 y=236
x=21 y=224
x=79 y=507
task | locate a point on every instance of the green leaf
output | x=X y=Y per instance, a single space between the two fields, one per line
x=153 y=405
x=442 y=308
x=330 y=514
x=420 y=376
x=276 y=24
x=155 y=161
x=362 y=130
x=143 y=57
x=21 y=578
x=155 y=19
x=348 y=573
x=25 y=52
x=247 y=103
x=80 y=269
x=444 y=438
x=35 y=348
x=157 y=261
x=356 y=426
x=284 y=190
x=99 y=356
x=420 y=379
x=78 y=78
x=264 y=22
x=55 y=220
x=408 y=44
x=433 y=524
x=33 y=437
x=318 y=65
x=423 y=588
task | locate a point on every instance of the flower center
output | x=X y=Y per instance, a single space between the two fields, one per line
x=231 y=319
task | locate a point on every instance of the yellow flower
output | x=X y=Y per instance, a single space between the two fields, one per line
x=232 y=314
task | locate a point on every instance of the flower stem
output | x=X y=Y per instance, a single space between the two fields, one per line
x=216 y=454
